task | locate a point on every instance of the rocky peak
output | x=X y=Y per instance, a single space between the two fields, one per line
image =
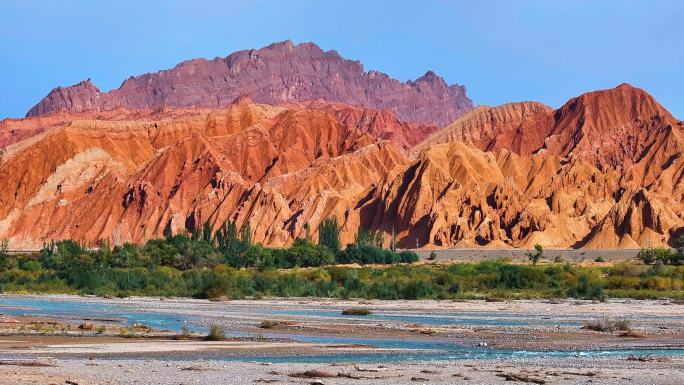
x=279 y=73
x=431 y=77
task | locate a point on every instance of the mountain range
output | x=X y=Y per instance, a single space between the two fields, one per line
x=289 y=135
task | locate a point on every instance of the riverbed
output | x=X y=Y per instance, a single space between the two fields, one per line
x=314 y=332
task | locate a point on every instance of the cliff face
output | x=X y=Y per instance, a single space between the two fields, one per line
x=280 y=73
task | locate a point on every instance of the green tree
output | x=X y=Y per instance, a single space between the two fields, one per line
x=7 y=262
x=246 y=236
x=197 y=233
x=537 y=255
x=364 y=237
x=207 y=231
x=307 y=231
x=329 y=233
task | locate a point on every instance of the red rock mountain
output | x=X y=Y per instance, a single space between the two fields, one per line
x=280 y=73
x=606 y=128
x=603 y=171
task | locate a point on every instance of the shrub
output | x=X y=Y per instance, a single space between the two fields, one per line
x=269 y=324
x=654 y=254
x=619 y=282
x=356 y=312
x=586 y=290
x=677 y=258
x=355 y=285
x=30 y=265
x=599 y=259
x=623 y=324
x=433 y=256
x=657 y=283
x=216 y=333
x=185 y=332
x=608 y=324
x=101 y=329
x=338 y=274
x=625 y=269
x=416 y=290
x=385 y=290
x=86 y=326
x=455 y=288
x=342 y=293
x=519 y=277
x=408 y=256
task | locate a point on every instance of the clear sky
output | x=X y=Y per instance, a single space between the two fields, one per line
x=502 y=51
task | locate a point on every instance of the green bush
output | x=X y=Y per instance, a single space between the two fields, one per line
x=586 y=290
x=416 y=290
x=30 y=265
x=654 y=254
x=356 y=312
x=216 y=333
x=385 y=290
x=269 y=324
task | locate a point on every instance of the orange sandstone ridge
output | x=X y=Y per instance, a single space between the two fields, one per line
x=603 y=171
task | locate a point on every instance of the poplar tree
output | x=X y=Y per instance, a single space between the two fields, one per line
x=329 y=233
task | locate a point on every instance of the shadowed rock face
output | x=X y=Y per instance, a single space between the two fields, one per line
x=280 y=73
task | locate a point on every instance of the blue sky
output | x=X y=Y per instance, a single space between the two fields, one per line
x=502 y=51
